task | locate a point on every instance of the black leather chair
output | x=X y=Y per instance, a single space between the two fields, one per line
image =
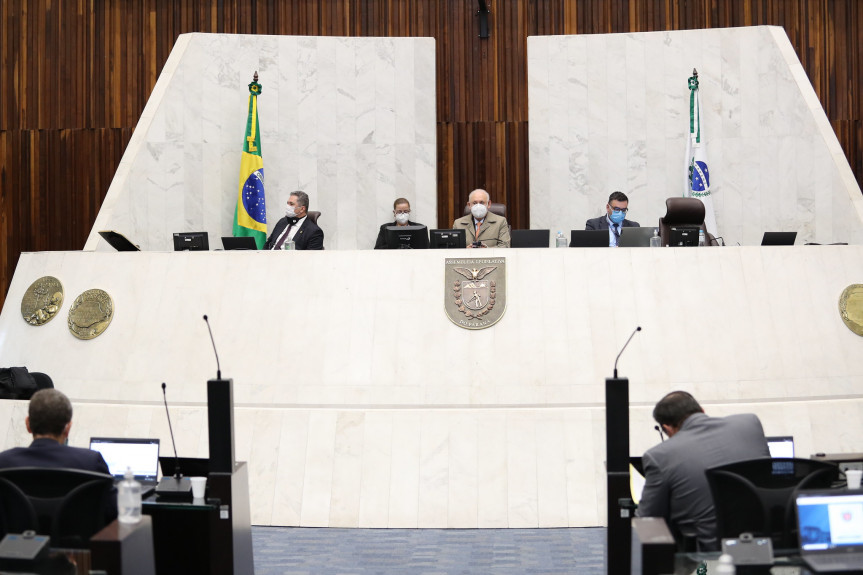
x=314 y=216
x=757 y=495
x=70 y=505
x=683 y=212
x=16 y=512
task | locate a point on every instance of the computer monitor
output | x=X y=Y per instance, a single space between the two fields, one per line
x=442 y=239
x=781 y=446
x=588 y=239
x=530 y=238
x=778 y=238
x=191 y=242
x=407 y=237
x=683 y=236
x=239 y=243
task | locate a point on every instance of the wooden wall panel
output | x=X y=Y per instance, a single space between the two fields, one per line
x=75 y=76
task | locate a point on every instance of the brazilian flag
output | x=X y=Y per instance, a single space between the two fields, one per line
x=250 y=216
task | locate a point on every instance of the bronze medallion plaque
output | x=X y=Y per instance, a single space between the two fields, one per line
x=42 y=300
x=90 y=314
x=851 y=307
x=475 y=291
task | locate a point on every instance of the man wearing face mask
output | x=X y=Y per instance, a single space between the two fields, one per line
x=614 y=219
x=483 y=229
x=296 y=227
x=401 y=216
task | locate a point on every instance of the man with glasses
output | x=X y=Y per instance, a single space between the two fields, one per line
x=401 y=217
x=614 y=219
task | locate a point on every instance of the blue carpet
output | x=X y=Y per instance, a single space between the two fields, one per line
x=307 y=551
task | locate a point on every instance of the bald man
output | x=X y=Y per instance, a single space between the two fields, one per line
x=483 y=229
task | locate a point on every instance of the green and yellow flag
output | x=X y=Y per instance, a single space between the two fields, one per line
x=250 y=216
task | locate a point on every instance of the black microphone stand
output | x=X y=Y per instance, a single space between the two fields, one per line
x=176 y=486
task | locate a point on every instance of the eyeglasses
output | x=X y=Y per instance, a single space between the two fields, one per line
x=618 y=210
x=403 y=212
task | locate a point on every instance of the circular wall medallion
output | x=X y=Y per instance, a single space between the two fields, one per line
x=42 y=300
x=851 y=307
x=90 y=314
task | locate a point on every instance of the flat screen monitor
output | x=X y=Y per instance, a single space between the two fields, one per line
x=442 y=239
x=635 y=237
x=530 y=238
x=239 y=243
x=407 y=237
x=686 y=236
x=588 y=239
x=118 y=241
x=191 y=242
x=778 y=238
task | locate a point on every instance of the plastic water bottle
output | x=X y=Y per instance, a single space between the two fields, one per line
x=656 y=241
x=560 y=240
x=725 y=565
x=701 y=241
x=129 y=499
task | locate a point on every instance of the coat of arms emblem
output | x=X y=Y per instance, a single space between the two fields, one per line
x=475 y=291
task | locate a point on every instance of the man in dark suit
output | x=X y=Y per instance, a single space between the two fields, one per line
x=49 y=420
x=676 y=486
x=614 y=218
x=296 y=226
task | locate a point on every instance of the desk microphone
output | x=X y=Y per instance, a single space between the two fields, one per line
x=176 y=487
x=218 y=367
x=637 y=329
x=659 y=429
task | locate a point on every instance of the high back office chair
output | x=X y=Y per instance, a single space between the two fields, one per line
x=683 y=212
x=70 y=505
x=314 y=216
x=757 y=495
x=16 y=513
x=495 y=208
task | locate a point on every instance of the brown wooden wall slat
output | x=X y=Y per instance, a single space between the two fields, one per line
x=75 y=76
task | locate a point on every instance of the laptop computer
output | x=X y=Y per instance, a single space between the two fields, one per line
x=241 y=243
x=635 y=237
x=778 y=238
x=530 y=238
x=139 y=455
x=830 y=526
x=588 y=239
x=781 y=446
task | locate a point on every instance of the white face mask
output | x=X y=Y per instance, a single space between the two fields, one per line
x=402 y=218
x=290 y=213
x=479 y=211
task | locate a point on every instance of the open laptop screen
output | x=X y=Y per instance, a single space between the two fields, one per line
x=830 y=520
x=141 y=455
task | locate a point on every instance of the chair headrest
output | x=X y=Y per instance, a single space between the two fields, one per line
x=314 y=216
x=683 y=211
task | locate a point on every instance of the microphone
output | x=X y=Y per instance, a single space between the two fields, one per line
x=218 y=367
x=637 y=329
x=176 y=486
x=659 y=429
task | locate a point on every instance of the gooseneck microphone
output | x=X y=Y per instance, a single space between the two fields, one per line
x=177 y=474
x=213 y=341
x=176 y=487
x=659 y=429
x=637 y=329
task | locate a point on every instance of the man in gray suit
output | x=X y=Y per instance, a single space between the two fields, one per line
x=676 y=486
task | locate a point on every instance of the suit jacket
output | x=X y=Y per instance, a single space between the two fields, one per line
x=381 y=242
x=601 y=223
x=494 y=231
x=308 y=237
x=676 y=486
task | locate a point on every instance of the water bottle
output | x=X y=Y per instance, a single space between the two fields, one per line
x=701 y=238
x=725 y=565
x=129 y=499
x=655 y=241
x=560 y=240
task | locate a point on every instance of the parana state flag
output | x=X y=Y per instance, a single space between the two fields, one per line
x=697 y=175
x=250 y=216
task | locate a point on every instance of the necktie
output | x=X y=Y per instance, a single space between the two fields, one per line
x=616 y=230
x=283 y=237
x=476 y=232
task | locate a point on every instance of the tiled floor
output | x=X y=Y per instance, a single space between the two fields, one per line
x=305 y=551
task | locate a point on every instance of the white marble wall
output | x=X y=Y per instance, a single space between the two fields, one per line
x=358 y=403
x=610 y=112
x=350 y=121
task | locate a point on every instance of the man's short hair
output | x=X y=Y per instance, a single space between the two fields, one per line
x=50 y=410
x=401 y=201
x=619 y=196
x=302 y=199
x=674 y=408
x=487 y=195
